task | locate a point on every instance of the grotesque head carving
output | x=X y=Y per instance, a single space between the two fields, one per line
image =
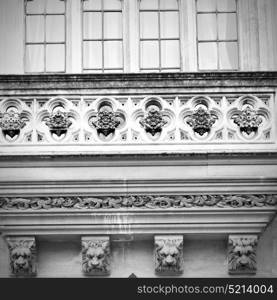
x=242 y=254
x=22 y=256
x=96 y=256
x=169 y=254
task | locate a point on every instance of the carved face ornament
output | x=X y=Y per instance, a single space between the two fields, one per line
x=21 y=260
x=95 y=257
x=168 y=255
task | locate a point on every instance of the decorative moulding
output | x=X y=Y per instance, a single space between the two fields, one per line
x=22 y=255
x=242 y=254
x=96 y=255
x=137 y=214
x=168 y=255
x=143 y=202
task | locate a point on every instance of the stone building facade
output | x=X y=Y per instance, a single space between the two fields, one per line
x=132 y=144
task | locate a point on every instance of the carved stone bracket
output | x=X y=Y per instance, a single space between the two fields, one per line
x=96 y=255
x=22 y=255
x=168 y=255
x=139 y=201
x=242 y=254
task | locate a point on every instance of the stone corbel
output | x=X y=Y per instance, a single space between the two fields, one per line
x=168 y=255
x=242 y=254
x=96 y=255
x=22 y=256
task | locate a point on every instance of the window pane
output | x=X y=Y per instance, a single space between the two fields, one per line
x=226 y=5
x=35 y=7
x=55 y=58
x=170 y=54
x=149 y=54
x=112 y=4
x=92 y=55
x=206 y=5
x=149 y=4
x=34 y=29
x=207 y=27
x=228 y=55
x=92 y=25
x=168 y=4
x=112 y=25
x=55 y=29
x=207 y=56
x=169 y=25
x=149 y=25
x=34 y=58
x=113 y=54
x=227 y=26
x=92 y=5
x=55 y=6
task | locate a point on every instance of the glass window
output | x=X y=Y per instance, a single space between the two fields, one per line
x=159 y=35
x=44 y=36
x=102 y=36
x=217 y=35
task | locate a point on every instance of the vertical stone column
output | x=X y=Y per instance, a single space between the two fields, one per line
x=96 y=255
x=242 y=254
x=22 y=256
x=168 y=254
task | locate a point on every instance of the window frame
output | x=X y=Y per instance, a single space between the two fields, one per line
x=44 y=43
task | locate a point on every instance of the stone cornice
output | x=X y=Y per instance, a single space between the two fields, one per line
x=139 y=80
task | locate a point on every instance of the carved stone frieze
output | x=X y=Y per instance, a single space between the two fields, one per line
x=168 y=255
x=138 y=201
x=153 y=122
x=22 y=255
x=11 y=122
x=58 y=122
x=248 y=120
x=242 y=254
x=201 y=121
x=96 y=255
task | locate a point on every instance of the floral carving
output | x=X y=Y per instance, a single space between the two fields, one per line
x=168 y=255
x=11 y=122
x=201 y=121
x=153 y=122
x=248 y=120
x=242 y=254
x=139 y=201
x=96 y=255
x=106 y=122
x=22 y=256
x=58 y=122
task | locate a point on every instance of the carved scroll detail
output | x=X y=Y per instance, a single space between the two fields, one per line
x=22 y=255
x=96 y=255
x=242 y=254
x=168 y=255
x=138 y=201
